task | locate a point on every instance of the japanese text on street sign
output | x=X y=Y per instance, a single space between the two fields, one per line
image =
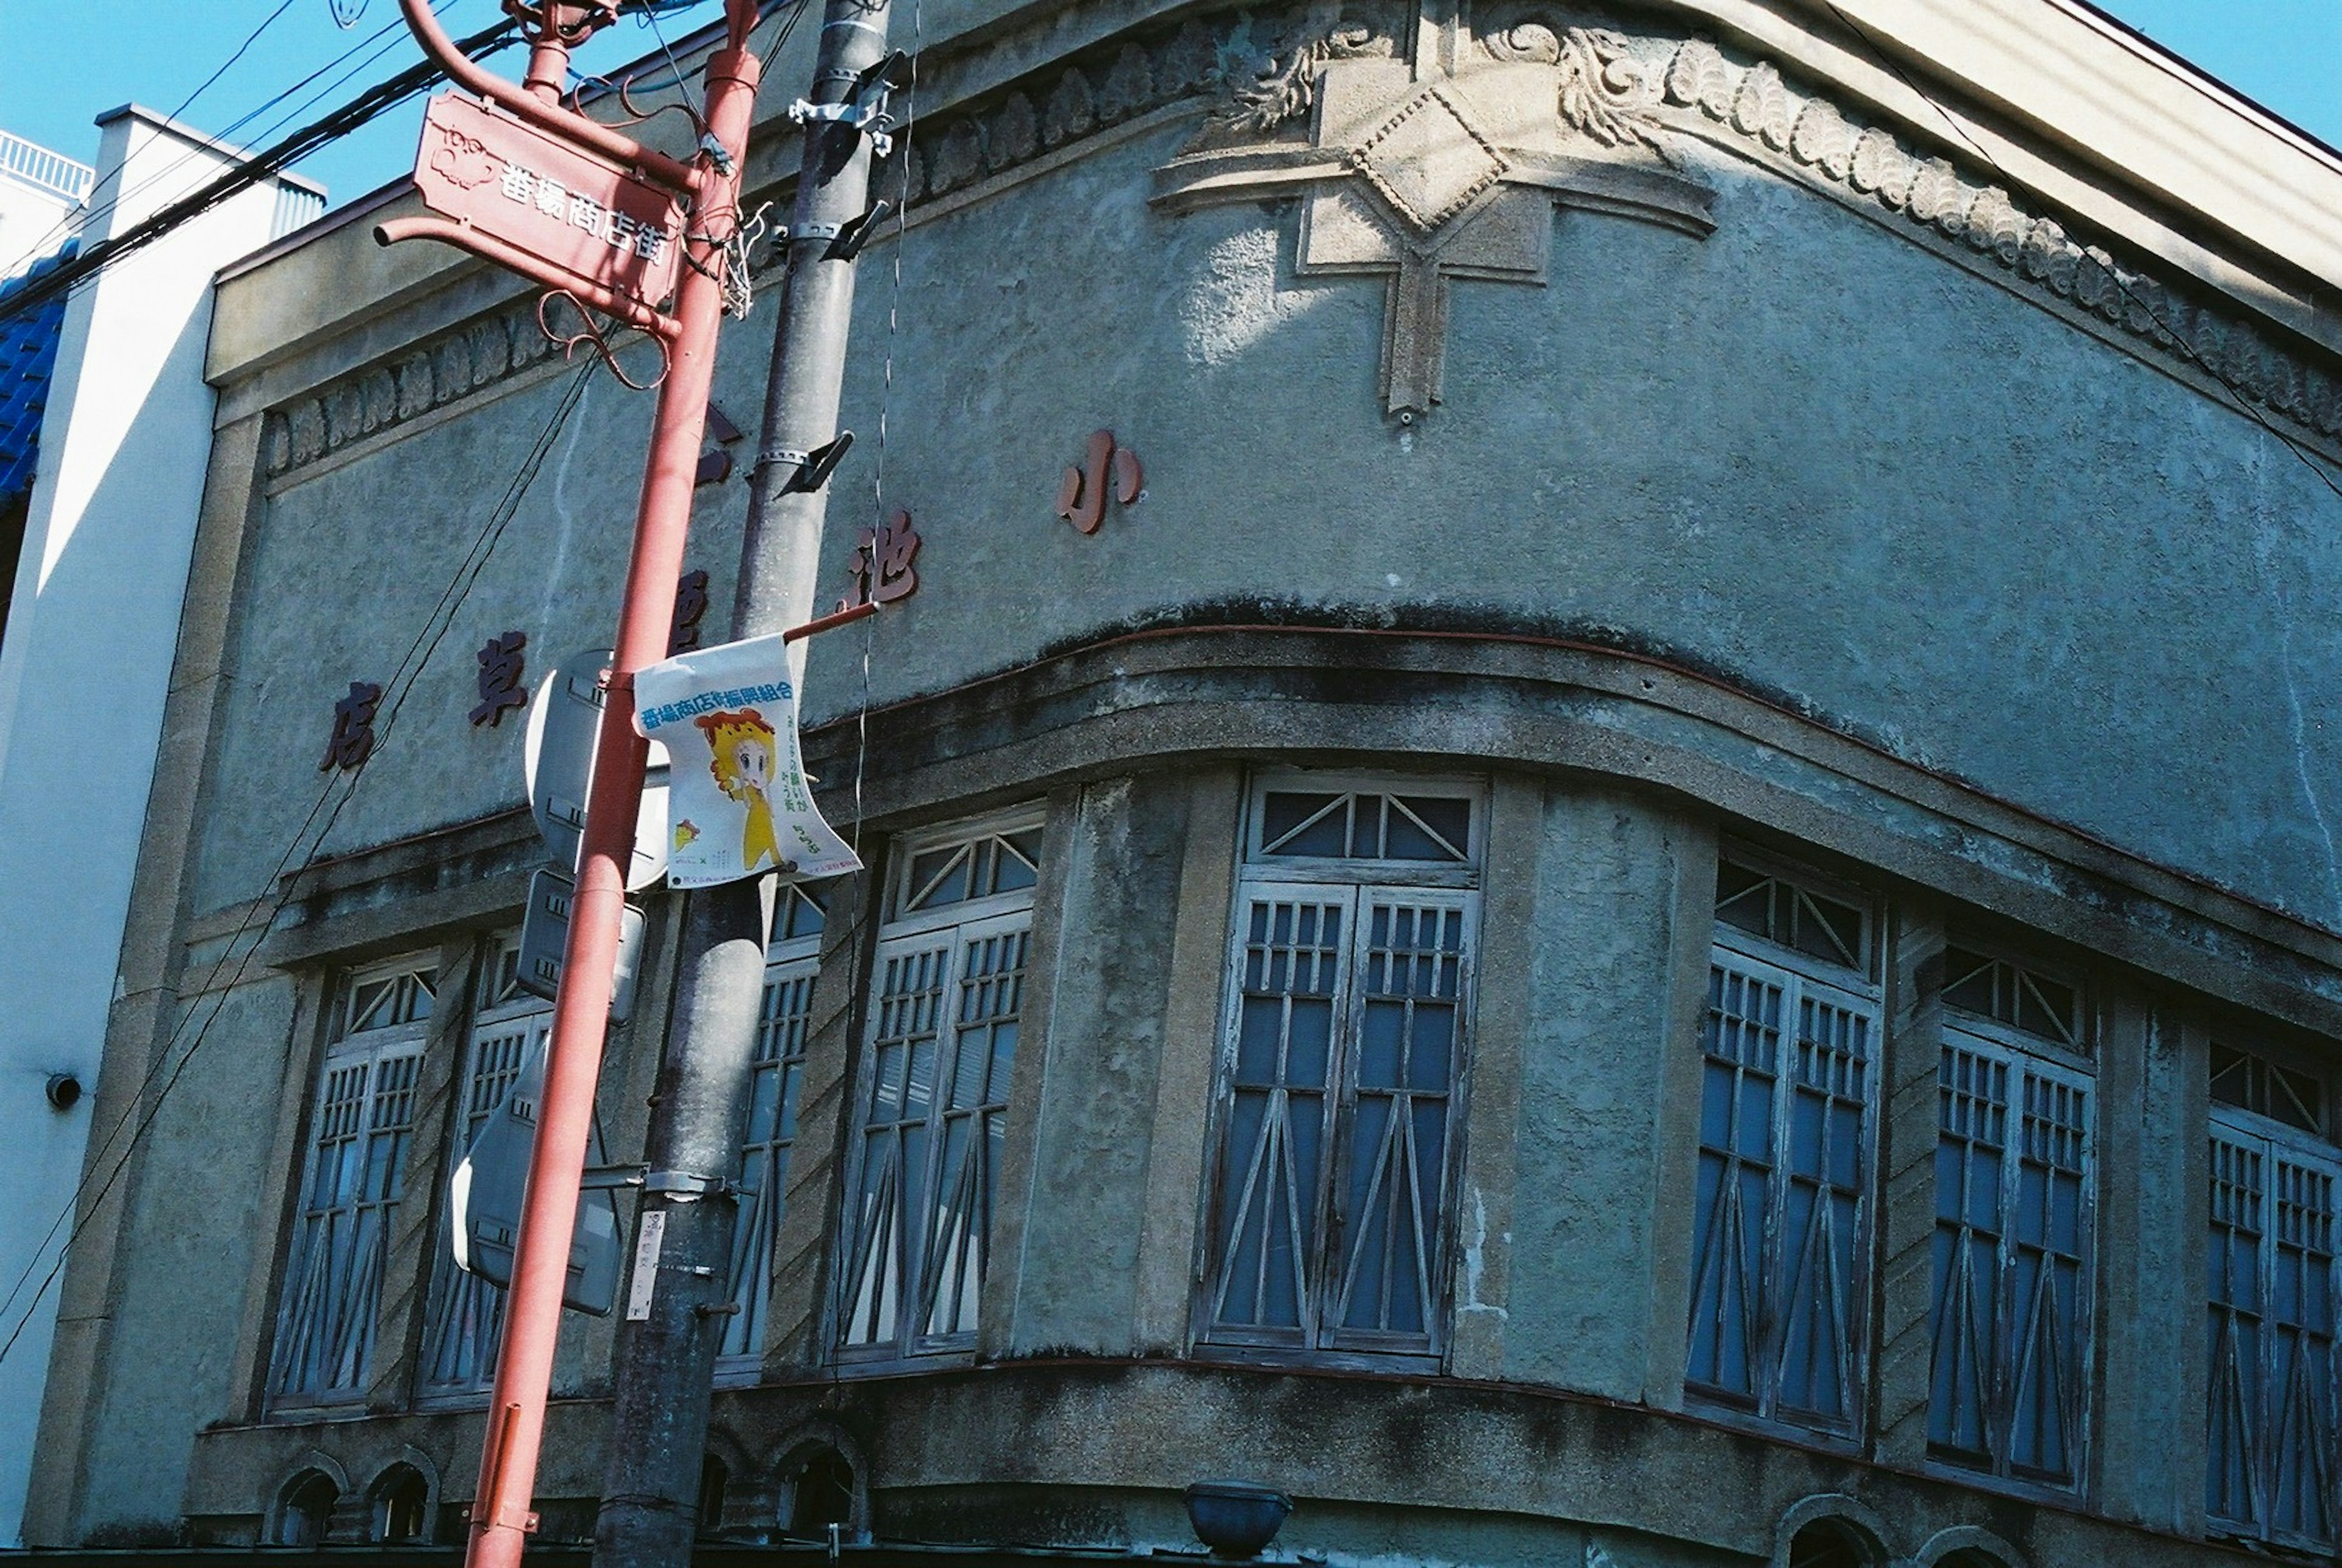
x=582 y=215
x=737 y=802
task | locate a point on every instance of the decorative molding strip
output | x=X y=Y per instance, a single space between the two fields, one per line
x=1265 y=71
x=1078 y=97
x=1707 y=93
x=439 y=371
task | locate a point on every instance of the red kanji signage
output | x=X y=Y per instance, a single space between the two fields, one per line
x=578 y=213
x=1081 y=499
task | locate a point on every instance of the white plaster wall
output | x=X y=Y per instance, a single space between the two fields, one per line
x=82 y=674
x=33 y=222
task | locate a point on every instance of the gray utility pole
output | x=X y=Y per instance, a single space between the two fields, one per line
x=666 y=1362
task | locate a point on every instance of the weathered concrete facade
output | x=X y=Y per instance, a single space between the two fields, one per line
x=1686 y=451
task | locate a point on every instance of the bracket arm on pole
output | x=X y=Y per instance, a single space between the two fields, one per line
x=831 y=621
x=811 y=470
x=464 y=236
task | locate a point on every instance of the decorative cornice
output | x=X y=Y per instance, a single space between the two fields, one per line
x=1262 y=72
x=439 y=371
x=1194 y=679
x=1604 y=91
x=1428 y=171
x=1752 y=109
x=1289 y=91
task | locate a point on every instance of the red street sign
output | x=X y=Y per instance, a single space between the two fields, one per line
x=579 y=212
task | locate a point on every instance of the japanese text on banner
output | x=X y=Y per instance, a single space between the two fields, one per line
x=737 y=803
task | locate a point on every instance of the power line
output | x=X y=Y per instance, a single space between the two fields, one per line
x=247 y=174
x=240 y=49
x=292 y=150
x=467 y=573
x=122 y=193
x=435 y=626
x=789 y=25
x=2244 y=404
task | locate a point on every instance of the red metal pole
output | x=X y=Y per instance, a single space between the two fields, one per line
x=501 y=1515
x=536 y=100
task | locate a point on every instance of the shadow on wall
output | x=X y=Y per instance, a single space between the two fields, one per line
x=304 y=1510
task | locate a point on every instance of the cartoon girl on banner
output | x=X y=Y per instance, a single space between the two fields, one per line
x=728 y=718
x=743 y=745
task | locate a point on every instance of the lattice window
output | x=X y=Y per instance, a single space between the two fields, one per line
x=464 y=1321
x=352 y=1184
x=932 y=1104
x=1005 y=861
x=782 y=1025
x=2270 y=1254
x=2014 y=995
x=2249 y=1081
x=1356 y=824
x=2011 y=1269
x=1329 y=1217
x=1792 y=915
x=1782 y=1214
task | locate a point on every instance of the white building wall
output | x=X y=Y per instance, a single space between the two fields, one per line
x=84 y=670
x=41 y=201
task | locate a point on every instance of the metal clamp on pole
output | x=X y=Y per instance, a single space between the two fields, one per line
x=870 y=119
x=813 y=468
x=863 y=109
x=712 y=146
x=685 y=1185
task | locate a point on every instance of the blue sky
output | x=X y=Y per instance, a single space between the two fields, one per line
x=61 y=65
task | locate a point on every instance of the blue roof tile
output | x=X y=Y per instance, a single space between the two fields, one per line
x=28 y=354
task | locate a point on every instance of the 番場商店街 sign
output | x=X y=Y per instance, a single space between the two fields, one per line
x=575 y=212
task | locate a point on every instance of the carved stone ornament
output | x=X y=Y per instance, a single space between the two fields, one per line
x=1445 y=167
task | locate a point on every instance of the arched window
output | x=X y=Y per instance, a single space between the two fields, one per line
x=715 y=1476
x=820 y=1494
x=304 y=1509
x=1830 y=1544
x=402 y=1505
x=1971 y=1557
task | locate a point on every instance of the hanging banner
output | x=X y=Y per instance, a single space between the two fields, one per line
x=737 y=803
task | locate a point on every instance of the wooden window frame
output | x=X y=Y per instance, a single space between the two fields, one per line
x=1855 y=992
x=401 y=1042
x=784 y=1027
x=2027 y=1059
x=959 y=929
x=2271 y=1143
x=1358 y=886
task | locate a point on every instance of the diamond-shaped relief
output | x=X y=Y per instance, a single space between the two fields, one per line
x=1428 y=160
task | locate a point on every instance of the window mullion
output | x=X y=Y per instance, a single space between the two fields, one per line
x=2334 y=1396
x=918 y=1264
x=1337 y=1128
x=2001 y=1418
x=2263 y=1455
x=1772 y=1321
